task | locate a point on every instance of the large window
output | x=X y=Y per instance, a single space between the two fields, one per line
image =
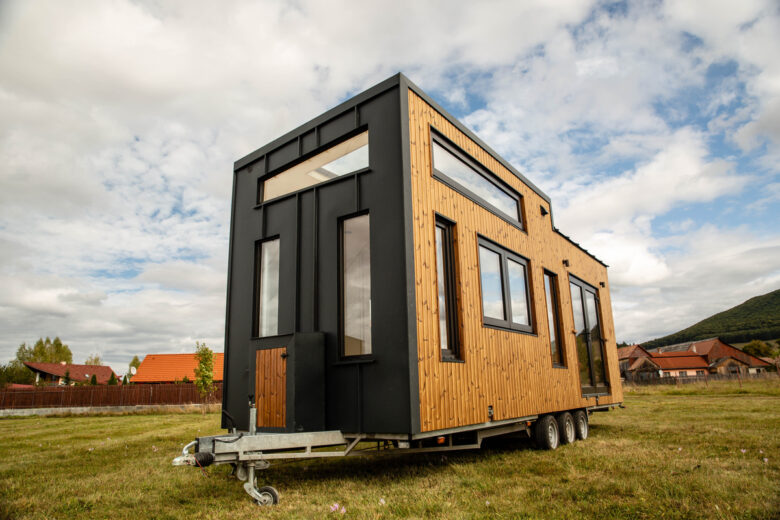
x=504 y=282
x=590 y=342
x=356 y=286
x=346 y=157
x=267 y=288
x=445 y=280
x=456 y=169
x=553 y=318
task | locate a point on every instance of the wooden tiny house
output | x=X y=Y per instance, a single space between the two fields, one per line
x=390 y=274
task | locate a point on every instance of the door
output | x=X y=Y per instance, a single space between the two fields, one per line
x=271 y=387
x=589 y=340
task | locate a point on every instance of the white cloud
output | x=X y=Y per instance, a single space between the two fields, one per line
x=121 y=121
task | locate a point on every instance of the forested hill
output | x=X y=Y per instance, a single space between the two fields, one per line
x=757 y=318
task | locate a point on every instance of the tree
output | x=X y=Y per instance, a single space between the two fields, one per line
x=93 y=380
x=758 y=348
x=112 y=380
x=124 y=380
x=66 y=380
x=15 y=372
x=204 y=372
x=45 y=351
x=94 y=359
x=185 y=380
x=135 y=363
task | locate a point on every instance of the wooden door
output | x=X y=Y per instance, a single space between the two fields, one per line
x=271 y=387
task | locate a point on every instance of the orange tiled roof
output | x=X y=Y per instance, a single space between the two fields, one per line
x=167 y=368
x=75 y=372
x=680 y=362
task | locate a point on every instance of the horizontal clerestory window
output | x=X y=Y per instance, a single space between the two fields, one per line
x=463 y=174
x=346 y=157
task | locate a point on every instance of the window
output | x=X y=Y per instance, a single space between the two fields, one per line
x=465 y=175
x=267 y=288
x=504 y=282
x=346 y=157
x=553 y=319
x=445 y=279
x=700 y=372
x=356 y=286
x=589 y=340
x=682 y=373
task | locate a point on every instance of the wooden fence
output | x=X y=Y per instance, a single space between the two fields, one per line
x=103 y=395
x=683 y=380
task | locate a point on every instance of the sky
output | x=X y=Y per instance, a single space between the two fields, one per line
x=653 y=126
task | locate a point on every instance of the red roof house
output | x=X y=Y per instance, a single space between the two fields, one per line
x=55 y=372
x=169 y=368
x=717 y=353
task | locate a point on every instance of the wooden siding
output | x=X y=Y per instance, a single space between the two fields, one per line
x=271 y=387
x=510 y=371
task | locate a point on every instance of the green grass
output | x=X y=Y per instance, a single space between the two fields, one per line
x=665 y=455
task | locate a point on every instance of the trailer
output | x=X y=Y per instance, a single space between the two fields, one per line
x=393 y=280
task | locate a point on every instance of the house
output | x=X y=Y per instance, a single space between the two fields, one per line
x=628 y=358
x=390 y=274
x=683 y=365
x=56 y=373
x=717 y=353
x=172 y=368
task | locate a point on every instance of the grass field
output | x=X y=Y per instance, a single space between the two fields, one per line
x=673 y=452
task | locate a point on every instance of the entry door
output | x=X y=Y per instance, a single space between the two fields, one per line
x=271 y=387
x=590 y=343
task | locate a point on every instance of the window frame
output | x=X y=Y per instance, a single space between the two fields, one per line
x=342 y=293
x=555 y=301
x=482 y=171
x=453 y=351
x=504 y=256
x=258 y=264
x=592 y=389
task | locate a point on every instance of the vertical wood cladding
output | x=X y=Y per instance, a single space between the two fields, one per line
x=271 y=387
x=510 y=371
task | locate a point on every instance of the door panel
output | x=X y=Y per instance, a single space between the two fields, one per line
x=271 y=387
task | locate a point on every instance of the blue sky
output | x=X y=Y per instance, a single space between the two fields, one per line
x=654 y=126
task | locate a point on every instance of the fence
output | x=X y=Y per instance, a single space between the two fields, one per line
x=701 y=379
x=103 y=395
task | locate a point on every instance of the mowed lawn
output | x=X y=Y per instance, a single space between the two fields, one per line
x=673 y=452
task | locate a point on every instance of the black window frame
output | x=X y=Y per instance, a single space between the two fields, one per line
x=255 y=333
x=592 y=389
x=505 y=255
x=482 y=171
x=453 y=351
x=555 y=301
x=343 y=357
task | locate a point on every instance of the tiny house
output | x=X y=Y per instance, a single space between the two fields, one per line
x=391 y=275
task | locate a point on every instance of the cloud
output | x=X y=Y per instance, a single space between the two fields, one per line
x=121 y=121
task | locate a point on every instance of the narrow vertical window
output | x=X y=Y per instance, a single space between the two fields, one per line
x=445 y=278
x=356 y=286
x=553 y=320
x=492 y=287
x=518 y=293
x=268 y=288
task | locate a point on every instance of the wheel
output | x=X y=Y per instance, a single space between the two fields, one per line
x=546 y=433
x=268 y=496
x=581 y=424
x=566 y=428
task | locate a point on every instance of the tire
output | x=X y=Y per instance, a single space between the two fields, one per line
x=546 y=433
x=566 y=428
x=581 y=424
x=270 y=496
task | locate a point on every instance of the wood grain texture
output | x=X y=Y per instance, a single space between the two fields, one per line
x=510 y=371
x=271 y=387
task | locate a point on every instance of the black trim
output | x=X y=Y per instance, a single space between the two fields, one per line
x=591 y=389
x=340 y=282
x=480 y=170
x=453 y=351
x=255 y=332
x=505 y=255
x=555 y=302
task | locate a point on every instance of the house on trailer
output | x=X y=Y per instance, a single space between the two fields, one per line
x=58 y=373
x=390 y=274
x=173 y=368
x=721 y=357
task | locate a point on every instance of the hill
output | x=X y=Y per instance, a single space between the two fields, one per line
x=757 y=318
